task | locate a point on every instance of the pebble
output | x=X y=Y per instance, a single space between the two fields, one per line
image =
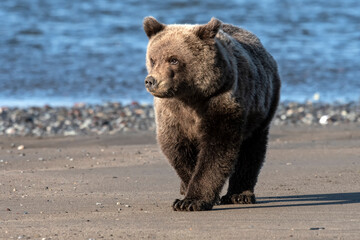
x=324 y=120
x=21 y=147
x=317 y=228
x=111 y=118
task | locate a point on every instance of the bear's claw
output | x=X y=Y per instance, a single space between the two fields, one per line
x=191 y=205
x=242 y=198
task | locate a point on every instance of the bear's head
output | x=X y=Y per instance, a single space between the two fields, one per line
x=183 y=60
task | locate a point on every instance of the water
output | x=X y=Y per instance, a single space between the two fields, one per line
x=60 y=52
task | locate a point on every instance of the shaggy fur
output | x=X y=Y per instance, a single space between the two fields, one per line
x=216 y=90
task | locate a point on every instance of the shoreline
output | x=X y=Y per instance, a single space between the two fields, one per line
x=112 y=118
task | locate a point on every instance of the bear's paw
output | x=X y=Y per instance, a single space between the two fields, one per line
x=246 y=197
x=191 y=205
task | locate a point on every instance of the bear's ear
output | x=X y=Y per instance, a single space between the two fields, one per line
x=208 y=30
x=152 y=26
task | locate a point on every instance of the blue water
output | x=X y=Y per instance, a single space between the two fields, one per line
x=60 y=52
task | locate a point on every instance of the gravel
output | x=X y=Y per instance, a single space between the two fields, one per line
x=110 y=118
x=317 y=114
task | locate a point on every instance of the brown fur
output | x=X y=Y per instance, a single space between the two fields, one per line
x=216 y=90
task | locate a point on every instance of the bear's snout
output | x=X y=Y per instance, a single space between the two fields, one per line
x=150 y=83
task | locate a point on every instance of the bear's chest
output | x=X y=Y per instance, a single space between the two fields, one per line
x=179 y=120
x=189 y=123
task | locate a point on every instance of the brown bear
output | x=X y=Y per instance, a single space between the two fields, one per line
x=216 y=90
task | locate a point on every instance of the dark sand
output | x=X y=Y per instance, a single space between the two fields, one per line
x=121 y=187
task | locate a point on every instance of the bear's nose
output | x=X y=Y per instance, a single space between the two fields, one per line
x=150 y=82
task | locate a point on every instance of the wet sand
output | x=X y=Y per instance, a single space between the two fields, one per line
x=121 y=187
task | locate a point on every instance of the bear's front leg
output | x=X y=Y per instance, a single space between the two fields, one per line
x=181 y=154
x=214 y=165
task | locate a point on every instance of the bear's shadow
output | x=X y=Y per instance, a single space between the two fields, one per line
x=299 y=201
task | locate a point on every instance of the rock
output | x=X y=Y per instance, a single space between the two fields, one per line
x=324 y=120
x=20 y=147
x=69 y=133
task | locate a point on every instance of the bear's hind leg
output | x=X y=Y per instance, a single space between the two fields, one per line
x=242 y=182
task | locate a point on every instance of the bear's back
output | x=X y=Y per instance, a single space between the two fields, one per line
x=241 y=35
x=251 y=43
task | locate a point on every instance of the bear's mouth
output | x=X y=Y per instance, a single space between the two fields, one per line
x=161 y=90
x=167 y=94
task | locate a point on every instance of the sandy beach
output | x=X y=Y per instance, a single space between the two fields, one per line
x=120 y=186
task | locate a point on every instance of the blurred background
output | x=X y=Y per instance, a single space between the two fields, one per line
x=62 y=52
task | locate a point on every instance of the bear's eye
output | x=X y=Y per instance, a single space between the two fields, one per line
x=152 y=62
x=173 y=61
